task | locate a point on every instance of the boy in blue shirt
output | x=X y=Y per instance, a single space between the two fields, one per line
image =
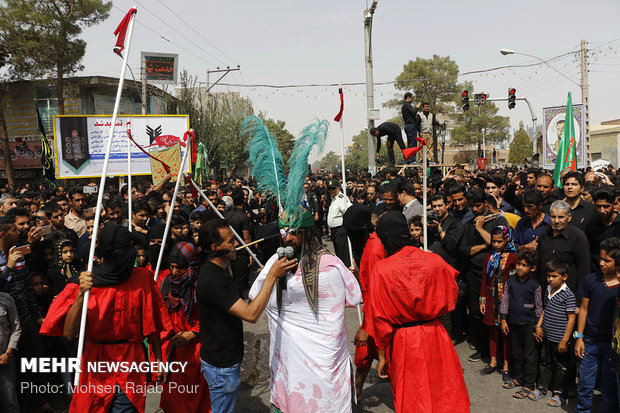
x=554 y=330
x=594 y=331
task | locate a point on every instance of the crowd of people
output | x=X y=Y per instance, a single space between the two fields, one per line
x=523 y=268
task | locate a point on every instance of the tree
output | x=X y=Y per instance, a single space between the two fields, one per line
x=329 y=161
x=284 y=138
x=41 y=36
x=520 y=147
x=430 y=80
x=217 y=123
x=471 y=123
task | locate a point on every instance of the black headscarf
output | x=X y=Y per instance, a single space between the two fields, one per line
x=393 y=231
x=115 y=247
x=152 y=251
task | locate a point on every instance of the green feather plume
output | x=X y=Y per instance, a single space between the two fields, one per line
x=266 y=159
x=312 y=135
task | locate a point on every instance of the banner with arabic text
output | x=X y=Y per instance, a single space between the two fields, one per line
x=80 y=143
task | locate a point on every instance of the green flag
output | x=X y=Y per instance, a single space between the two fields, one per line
x=201 y=163
x=567 y=150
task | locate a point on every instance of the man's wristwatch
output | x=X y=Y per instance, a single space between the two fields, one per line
x=577 y=335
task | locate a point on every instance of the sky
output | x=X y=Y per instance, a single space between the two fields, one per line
x=295 y=42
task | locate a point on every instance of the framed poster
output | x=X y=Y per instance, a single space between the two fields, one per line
x=160 y=68
x=553 y=127
x=80 y=143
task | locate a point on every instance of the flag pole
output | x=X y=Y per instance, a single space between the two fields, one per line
x=219 y=214
x=188 y=149
x=104 y=172
x=128 y=182
x=344 y=181
x=424 y=200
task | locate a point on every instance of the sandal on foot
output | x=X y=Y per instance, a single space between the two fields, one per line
x=511 y=384
x=522 y=394
x=536 y=395
x=556 y=401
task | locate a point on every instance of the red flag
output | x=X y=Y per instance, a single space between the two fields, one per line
x=409 y=152
x=339 y=115
x=121 y=31
x=194 y=148
x=191 y=185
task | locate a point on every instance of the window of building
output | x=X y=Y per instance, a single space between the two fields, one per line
x=47 y=107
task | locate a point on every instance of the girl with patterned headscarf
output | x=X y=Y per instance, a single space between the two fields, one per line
x=179 y=292
x=64 y=267
x=498 y=262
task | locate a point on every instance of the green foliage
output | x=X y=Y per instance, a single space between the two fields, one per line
x=358 y=158
x=472 y=122
x=285 y=139
x=520 y=147
x=329 y=161
x=41 y=36
x=217 y=122
x=430 y=80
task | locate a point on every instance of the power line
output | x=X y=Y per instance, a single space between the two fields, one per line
x=199 y=34
x=178 y=32
x=388 y=82
x=164 y=38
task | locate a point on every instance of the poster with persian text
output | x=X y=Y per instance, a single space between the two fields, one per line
x=80 y=143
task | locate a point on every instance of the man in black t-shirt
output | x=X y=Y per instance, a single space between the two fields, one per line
x=240 y=222
x=393 y=133
x=220 y=311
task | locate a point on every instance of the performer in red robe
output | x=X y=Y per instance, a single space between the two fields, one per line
x=365 y=347
x=187 y=391
x=124 y=307
x=408 y=291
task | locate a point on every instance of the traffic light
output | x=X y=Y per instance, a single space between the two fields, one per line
x=465 y=100
x=512 y=98
x=477 y=99
x=483 y=98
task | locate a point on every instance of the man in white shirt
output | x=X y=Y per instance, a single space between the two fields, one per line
x=336 y=211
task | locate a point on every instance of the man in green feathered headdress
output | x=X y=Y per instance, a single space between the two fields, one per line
x=309 y=351
x=307 y=322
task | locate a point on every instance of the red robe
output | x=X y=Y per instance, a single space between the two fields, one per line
x=373 y=253
x=425 y=372
x=174 y=398
x=128 y=311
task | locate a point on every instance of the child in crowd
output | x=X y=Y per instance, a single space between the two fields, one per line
x=520 y=310
x=594 y=331
x=140 y=256
x=64 y=268
x=554 y=330
x=41 y=292
x=497 y=264
x=416 y=230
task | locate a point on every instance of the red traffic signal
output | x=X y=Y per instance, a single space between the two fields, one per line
x=465 y=93
x=512 y=98
x=465 y=100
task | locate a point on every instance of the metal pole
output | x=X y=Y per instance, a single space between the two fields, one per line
x=585 y=97
x=219 y=214
x=104 y=172
x=484 y=143
x=188 y=149
x=424 y=200
x=128 y=181
x=370 y=94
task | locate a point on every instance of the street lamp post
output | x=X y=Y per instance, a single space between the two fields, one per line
x=509 y=51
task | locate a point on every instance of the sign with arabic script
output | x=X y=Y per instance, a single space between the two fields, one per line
x=80 y=143
x=160 y=68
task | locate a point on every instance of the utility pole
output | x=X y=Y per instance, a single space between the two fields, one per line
x=585 y=97
x=144 y=98
x=370 y=94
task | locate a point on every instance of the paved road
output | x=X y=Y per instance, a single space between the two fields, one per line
x=485 y=392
